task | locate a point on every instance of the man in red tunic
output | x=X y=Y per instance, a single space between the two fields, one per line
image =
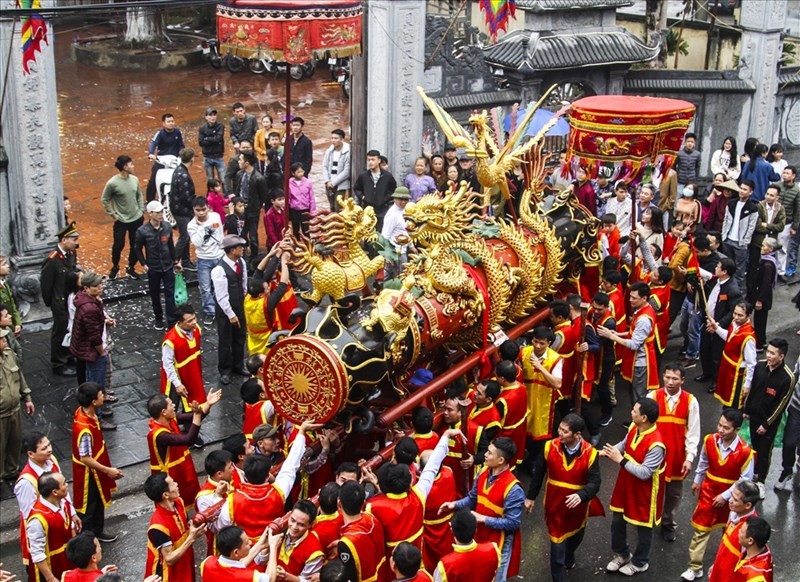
x=170 y=535
x=181 y=366
x=50 y=525
x=405 y=563
x=660 y=297
x=573 y=480
x=542 y=373
x=257 y=502
x=483 y=420
x=85 y=552
x=423 y=435
x=738 y=362
x=743 y=506
x=567 y=335
x=258 y=409
x=329 y=521
x=724 y=459
x=399 y=508
x=436 y=533
x=755 y=564
x=497 y=499
x=39 y=451
x=300 y=556
x=513 y=407
x=638 y=493
x=469 y=561
x=679 y=425
x=458 y=458
x=93 y=475
x=361 y=546
x=639 y=365
x=238 y=557
x=169 y=445
x=219 y=468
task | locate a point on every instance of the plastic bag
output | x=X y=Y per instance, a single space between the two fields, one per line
x=181 y=295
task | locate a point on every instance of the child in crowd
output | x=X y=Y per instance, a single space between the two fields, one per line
x=274 y=220
x=234 y=222
x=620 y=206
x=217 y=200
x=301 y=199
x=609 y=235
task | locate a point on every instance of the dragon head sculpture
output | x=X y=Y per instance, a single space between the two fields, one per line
x=359 y=221
x=433 y=220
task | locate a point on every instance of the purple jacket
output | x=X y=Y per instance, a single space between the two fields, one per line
x=87 y=327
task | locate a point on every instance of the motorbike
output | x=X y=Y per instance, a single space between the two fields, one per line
x=164 y=183
x=261 y=64
x=343 y=77
x=211 y=50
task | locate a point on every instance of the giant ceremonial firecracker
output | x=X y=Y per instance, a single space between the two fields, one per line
x=293 y=31
x=628 y=133
x=472 y=274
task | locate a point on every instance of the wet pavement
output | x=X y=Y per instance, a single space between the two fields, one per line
x=106 y=113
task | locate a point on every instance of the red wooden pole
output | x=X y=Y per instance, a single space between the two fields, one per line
x=287 y=149
x=410 y=403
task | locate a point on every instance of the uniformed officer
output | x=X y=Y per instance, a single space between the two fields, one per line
x=54 y=293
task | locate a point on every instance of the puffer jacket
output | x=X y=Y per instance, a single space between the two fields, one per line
x=87 y=327
x=181 y=193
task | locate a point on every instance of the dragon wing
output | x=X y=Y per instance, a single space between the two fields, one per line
x=503 y=157
x=457 y=135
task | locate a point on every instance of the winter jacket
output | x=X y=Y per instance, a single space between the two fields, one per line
x=244 y=130
x=379 y=195
x=748 y=218
x=790 y=199
x=341 y=179
x=87 y=327
x=166 y=143
x=181 y=193
x=772 y=229
x=212 y=140
x=688 y=166
x=159 y=249
x=257 y=197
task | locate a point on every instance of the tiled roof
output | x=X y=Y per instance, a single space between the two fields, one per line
x=542 y=5
x=564 y=51
x=789 y=76
x=647 y=81
x=486 y=98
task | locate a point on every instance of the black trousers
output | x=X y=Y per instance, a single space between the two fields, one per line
x=762 y=445
x=152 y=193
x=710 y=353
x=120 y=230
x=298 y=224
x=251 y=230
x=231 y=342
x=675 y=303
x=619 y=540
x=59 y=355
x=155 y=279
x=182 y=246
x=760 y=325
x=563 y=555
x=95 y=516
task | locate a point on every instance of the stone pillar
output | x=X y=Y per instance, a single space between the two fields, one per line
x=31 y=191
x=762 y=23
x=395 y=50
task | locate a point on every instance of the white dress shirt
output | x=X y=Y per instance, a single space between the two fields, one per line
x=692 y=424
x=168 y=359
x=26 y=493
x=220 y=283
x=702 y=464
x=749 y=360
x=37 y=538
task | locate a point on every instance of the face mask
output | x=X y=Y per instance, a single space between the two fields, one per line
x=688 y=192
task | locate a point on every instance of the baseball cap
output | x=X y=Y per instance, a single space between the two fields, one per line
x=155 y=206
x=211 y=111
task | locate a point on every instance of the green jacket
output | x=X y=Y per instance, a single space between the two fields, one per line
x=13 y=388
x=7 y=297
x=772 y=229
x=790 y=198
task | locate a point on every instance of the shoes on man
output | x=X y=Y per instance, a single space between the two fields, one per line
x=690 y=575
x=711 y=389
x=65 y=371
x=106 y=425
x=111 y=398
x=605 y=421
x=668 y=535
x=688 y=362
x=189 y=266
x=617 y=563
x=630 y=569
x=106 y=538
x=106 y=412
x=208 y=320
x=199 y=443
x=132 y=273
x=224 y=379
x=595 y=440
x=112 y=274
x=569 y=566
x=784 y=483
x=158 y=324
x=790 y=271
x=702 y=378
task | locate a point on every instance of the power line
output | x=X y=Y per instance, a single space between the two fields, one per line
x=86 y=8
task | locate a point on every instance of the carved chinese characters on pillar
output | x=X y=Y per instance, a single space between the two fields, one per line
x=406 y=94
x=35 y=155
